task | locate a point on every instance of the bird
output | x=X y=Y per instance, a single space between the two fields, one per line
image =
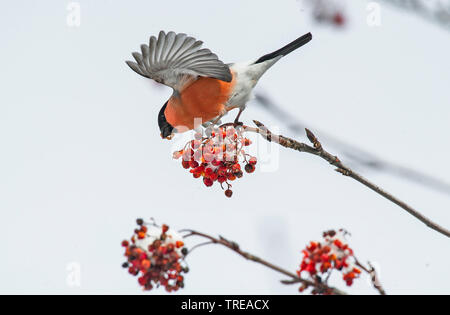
x=204 y=88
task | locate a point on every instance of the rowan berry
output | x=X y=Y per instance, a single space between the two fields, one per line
x=219 y=156
x=249 y=168
x=333 y=253
x=157 y=258
x=228 y=193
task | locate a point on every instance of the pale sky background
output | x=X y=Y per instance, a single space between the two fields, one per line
x=81 y=157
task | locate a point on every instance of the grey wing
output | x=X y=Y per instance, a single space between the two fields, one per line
x=177 y=60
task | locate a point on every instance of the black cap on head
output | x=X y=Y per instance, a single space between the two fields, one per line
x=164 y=126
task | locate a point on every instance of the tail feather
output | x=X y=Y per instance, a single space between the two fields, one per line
x=299 y=42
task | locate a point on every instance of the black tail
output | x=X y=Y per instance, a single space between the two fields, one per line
x=299 y=42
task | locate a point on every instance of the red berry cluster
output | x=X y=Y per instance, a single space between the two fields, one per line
x=156 y=255
x=218 y=158
x=321 y=258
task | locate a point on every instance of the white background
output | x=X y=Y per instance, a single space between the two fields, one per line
x=81 y=157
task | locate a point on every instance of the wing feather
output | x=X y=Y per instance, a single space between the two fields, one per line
x=145 y=56
x=152 y=47
x=176 y=60
x=136 y=68
x=159 y=47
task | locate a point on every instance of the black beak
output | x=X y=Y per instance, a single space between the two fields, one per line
x=166 y=132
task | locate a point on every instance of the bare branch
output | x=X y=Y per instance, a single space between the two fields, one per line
x=434 y=11
x=320 y=287
x=318 y=150
x=354 y=155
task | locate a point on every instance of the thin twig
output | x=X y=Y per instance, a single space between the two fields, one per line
x=318 y=150
x=320 y=287
x=199 y=245
x=375 y=280
x=373 y=276
x=438 y=12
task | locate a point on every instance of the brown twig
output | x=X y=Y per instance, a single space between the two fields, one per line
x=375 y=281
x=318 y=150
x=354 y=154
x=319 y=287
x=373 y=276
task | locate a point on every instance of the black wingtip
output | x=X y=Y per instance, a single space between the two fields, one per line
x=299 y=42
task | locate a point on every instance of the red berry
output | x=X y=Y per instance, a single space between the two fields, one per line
x=207 y=181
x=235 y=168
x=252 y=161
x=145 y=264
x=208 y=171
x=338 y=19
x=228 y=193
x=142 y=281
x=338 y=243
x=249 y=168
x=216 y=162
x=222 y=171
x=185 y=164
x=213 y=176
x=132 y=271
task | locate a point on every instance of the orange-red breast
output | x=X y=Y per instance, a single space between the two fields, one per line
x=204 y=88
